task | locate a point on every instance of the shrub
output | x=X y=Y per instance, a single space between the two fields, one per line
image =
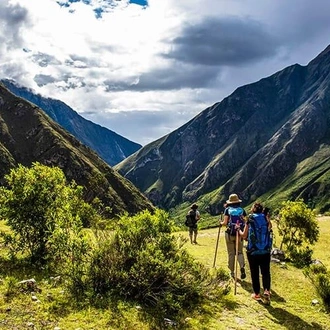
x=143 y=261
x=297 y=225
x=320 y=278
x=10 y=287
x=301 y=257
x=37 y=204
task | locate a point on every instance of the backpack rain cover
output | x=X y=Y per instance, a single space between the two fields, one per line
x=235 y=214
x=259 y=238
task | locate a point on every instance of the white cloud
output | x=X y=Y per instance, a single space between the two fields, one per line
x=125 y=66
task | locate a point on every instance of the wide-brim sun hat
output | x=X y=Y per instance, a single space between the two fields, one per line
x=233 y=198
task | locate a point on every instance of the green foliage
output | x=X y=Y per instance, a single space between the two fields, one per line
x=320 y=278
x=298 y=227
x=10 y=287
x=301 y=257
x=323 y=289
x=57 y=309
x=71 y=247
x=144 y=262
x=41 y=209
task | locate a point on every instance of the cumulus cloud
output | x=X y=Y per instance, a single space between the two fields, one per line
x=223 y=41
x=174 y=77
x=13 y=19
x=132 y=63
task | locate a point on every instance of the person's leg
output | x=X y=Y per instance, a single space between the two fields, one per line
x=240 y=257
x=230 y=244
x=195 y=234
x=191 y=234
x=254 y=269
x=265 y=271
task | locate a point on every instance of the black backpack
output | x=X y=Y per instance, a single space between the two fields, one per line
x=190 y=219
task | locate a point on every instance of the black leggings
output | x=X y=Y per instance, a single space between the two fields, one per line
x=261 y=261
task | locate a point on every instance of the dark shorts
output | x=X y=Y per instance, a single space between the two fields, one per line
x=193 y=229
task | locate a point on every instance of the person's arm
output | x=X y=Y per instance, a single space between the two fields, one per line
x=198 y=215
x=244 y=233
x=225 y=220
x=270 y=225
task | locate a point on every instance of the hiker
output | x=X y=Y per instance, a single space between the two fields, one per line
x=258 y=234
x=192 y=218
x=233 y=213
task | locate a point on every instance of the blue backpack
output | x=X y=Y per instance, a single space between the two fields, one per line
x=259 y=237
x=235 y=214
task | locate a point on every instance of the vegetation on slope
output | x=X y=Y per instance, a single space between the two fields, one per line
x=291 y=306
x=28 y=135
x=140 y=274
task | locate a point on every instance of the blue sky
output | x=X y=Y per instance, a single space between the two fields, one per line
x=139 y=2
x=144 y=69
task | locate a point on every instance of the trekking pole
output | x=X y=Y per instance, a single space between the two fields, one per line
x=216 y=246
x=236 y=257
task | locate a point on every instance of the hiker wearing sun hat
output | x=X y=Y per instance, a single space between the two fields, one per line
x=234 y=213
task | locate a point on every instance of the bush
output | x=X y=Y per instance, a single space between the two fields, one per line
x=301 y=257
x=320 y=278
x=143 y=261
x=38 y=205
x=298 y=227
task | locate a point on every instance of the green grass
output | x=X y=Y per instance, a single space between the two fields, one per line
x=291 y=306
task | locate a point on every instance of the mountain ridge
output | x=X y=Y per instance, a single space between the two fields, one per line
x=109 y=145
x=248 y=143
x=28 y=135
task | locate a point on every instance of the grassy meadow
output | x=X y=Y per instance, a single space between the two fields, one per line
x=291 y=307
x=292 y=292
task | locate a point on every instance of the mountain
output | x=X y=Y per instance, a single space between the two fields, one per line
x=269 y=140
x=110 y=146
x=28 y=135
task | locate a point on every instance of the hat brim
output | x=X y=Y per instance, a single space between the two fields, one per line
x=233 y=202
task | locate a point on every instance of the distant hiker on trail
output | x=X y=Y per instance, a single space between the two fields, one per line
x=192 y=218
x=234 y=213
x=258 y=234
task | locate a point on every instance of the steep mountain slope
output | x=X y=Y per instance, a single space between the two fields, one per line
x=27 y=135
x=110 y=146
x=265 y=136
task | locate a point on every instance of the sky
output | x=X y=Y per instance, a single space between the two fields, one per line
x=143 y=68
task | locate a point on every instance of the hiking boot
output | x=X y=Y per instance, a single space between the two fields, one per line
x=243 y=274
x=267 y=294
x=267 y=297
x=256 y=296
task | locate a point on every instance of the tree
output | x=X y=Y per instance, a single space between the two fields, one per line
x=298 y=227
x=36 y=203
